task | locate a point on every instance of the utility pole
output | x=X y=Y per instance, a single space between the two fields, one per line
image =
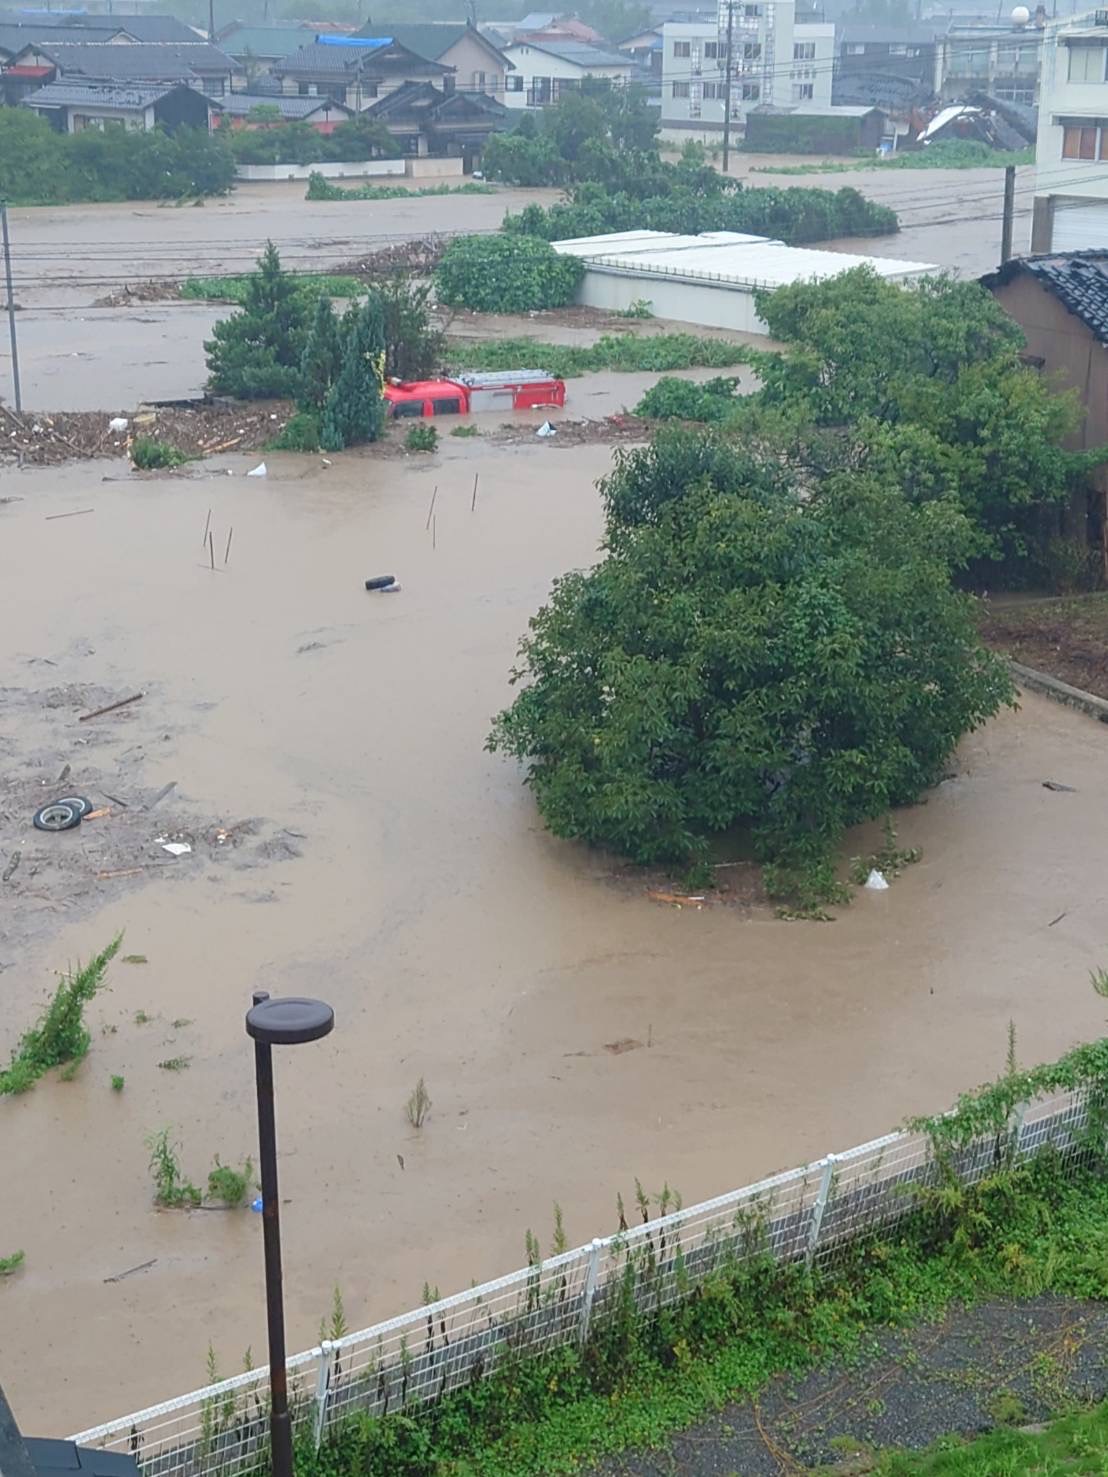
x=1009 y=212
x=11 y=304
x=727 y=85
x=211 y=21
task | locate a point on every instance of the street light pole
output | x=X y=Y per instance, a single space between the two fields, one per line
x=727 y=86
x=281 y=1022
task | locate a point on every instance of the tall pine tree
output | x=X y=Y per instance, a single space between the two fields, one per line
x=354 y=409
x=322 y=359
x=256 y=354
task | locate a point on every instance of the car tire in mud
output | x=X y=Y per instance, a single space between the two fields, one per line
x=56 y=817
x=380 y=582
x=79 y=803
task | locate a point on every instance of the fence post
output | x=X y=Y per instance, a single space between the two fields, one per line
x=322 y=1391
x=823 y=1194
x=591 y=1275
x=1015 y=1127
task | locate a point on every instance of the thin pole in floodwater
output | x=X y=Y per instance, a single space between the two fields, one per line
x=211 y=549
x=434 y=532
x=431 y=509
x=729 y=66
x=11 y=305
x=473 y=502
x=207 y=525
x=227 y=551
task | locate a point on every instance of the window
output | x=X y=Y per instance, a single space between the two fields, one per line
x=513 y=82
x=711 y=51
x=802 y=91
x=751 y=92
x=752 y=51
x=1078 y=143
x=680 y=89
x=804 y=51
x=714 y=91
x=681 y=48
x=1086 y=64
x=452 y=406
x=408 y=408
x=752 y=12
x=479 y=81
x=855 y=49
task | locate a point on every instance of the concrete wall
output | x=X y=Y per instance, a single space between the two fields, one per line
x=360 y=169
x=433 y=168
x=709 y=305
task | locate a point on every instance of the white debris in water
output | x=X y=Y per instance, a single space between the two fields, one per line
x=259 y=471
x=876 y=881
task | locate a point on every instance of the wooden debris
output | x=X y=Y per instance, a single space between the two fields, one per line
x=111 y=707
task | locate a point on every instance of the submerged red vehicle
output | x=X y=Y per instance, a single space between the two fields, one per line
x=509 y=389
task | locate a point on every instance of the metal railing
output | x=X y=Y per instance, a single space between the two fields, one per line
x=805 y=1214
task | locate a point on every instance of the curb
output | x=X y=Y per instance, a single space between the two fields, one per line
x=1060 y=692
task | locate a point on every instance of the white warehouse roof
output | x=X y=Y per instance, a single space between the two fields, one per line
x=728 y=258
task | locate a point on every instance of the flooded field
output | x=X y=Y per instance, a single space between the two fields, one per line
x=352 y=839
x=77 y=355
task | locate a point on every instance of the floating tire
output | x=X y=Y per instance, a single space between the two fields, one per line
x=380 y=582
x=78 y=802
x=57 y=816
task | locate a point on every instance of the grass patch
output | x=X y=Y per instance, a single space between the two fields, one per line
x=1073 y=1444
x=12 y=1263
x=117 y=1082
x=421 y=437
x=60 y=1038
x=301 y=434
x=233 y=289
x=626 y=352
x=229 y=1185
x=954 y=154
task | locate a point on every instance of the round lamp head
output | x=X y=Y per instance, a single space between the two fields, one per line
x=289 y=1020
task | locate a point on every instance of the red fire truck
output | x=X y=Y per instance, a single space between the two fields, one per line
x=510 y=389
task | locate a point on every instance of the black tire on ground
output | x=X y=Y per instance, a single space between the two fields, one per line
x=380 y=582
x=78 y=802
x=55 y=817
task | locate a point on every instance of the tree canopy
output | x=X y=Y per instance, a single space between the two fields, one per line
x=748 y=655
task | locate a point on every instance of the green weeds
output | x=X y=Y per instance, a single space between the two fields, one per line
x=149 y=455
x=421 y=437
x=61 y=1038
x=12 y=1263
x=171 y=1190
x=228 y=1185
x=418 y=1105
x=625 y=352
x=117 y=1083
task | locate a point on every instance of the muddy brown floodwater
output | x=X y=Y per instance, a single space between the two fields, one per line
x=457 y=940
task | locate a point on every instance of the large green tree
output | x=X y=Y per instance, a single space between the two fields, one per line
x=256 y=353
x=748 y=654
x=925 y=387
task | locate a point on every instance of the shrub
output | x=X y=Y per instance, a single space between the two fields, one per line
x=422 y=437
x=235 y=289
x=60 y=1037
x=628 y=352
x=150 y=455
x=354 y=411
x=413 y=346
x=301 y=434
x=672 y=399
x=506 y=274
x=229 y=1185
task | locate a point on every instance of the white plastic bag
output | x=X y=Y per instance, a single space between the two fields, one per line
x=876 y=881
x=546 y=429
x=259 y=471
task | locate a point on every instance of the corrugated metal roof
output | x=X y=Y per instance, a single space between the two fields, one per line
x=62 y=94
x=729 y=258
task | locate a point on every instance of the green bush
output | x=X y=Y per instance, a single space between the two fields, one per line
x=299 y=143
x=506 y=274
x=150 y=455
x=672 y=399
x=301 y=434
x=793 y=215
x=627 y=352
x=60 y=1037
x=256 y=354
x=321 y=188
x=40 y=166
x=422 y=437
x=235 y=289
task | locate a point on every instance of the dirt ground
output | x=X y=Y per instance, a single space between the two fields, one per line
x=85 y=344
x=399 y=871
x=1066 y=638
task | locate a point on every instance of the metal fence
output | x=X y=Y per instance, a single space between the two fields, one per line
x=804 y=1214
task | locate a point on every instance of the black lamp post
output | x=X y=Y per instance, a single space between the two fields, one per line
x=281 y=1022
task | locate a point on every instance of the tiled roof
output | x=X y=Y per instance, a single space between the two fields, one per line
x=1079 y=280
x=137 y=62
x=156 y=28
x=275 y=41
x=61 y=94
x=14 y=38
x=316 y=58
x=430 y=39
x=239 y=104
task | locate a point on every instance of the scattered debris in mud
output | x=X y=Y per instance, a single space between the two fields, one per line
x=200 y=429
x=611 y=428
x=133 y=829
x=418 y=258
x=160 y=290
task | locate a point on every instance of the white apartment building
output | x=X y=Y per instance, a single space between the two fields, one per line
x=775 y=60
x=1071 y=152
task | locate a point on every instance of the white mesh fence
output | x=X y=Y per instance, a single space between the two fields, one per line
x=804 y=1214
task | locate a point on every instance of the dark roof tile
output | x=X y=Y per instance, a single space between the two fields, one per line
x=1078 y=279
